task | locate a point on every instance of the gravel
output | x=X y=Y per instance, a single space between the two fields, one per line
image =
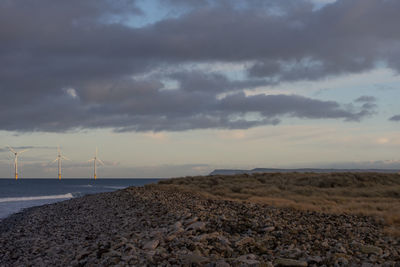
x=141 y=226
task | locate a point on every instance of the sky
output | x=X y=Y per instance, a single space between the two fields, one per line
x=182 y=87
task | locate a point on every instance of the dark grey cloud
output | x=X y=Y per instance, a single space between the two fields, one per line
x=368 y=103
x=366 y=99
x=48 y=46
x=213 y=82
x=293 y=105
x=395 y=118
x=147 y=105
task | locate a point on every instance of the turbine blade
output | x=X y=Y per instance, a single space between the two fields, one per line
x=101 y=162
x=23 y=151
x=11 y=149
x=64 y=157
x=49 y=163
x=90 y=160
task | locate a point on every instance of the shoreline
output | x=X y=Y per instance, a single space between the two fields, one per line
x=25 y=193
x=160 y=225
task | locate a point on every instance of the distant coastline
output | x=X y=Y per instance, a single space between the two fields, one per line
x=302 y=170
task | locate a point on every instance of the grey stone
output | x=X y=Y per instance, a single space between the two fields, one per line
x=196 y=226
x=368 y=249
x=244 y=241
x=290 y=262
x=151 y=244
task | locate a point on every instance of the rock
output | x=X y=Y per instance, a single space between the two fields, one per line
x=192 y=220
x=194 y=258
x=339 y=248
x=82 y=255
x=341 y=262
x=295 y=253
x=222 y=263
x=177 y=226
x=247 y=257
x=112 y=253
x=368 y=249
x=201 y=238
x=251 y=262
x=314 y=259
x=390 y=264
x=268 y=229
x=204 y=237
x=290 y=262
x=244 y=241
x=101 y=251
x=224 y=240
x=130 y=247
x=170 y=237
x=325 y=244
x=128 y=258
x=117 y=246
x=196 y=226
x=151 y=245
x=178 y=231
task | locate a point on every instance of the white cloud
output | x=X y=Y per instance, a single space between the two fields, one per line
x=71 y=92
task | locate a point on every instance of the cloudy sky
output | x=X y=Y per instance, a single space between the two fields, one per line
x=180 y=87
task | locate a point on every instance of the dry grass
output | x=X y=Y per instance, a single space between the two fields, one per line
x=373 y=194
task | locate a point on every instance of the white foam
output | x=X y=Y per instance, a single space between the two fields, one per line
x=86 y=185
x=13 y=199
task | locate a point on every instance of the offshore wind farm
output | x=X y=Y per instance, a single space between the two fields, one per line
x=58 y=159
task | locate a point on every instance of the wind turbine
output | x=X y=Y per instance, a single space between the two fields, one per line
x=59 y=158
x=16 y=154
x=95 y=159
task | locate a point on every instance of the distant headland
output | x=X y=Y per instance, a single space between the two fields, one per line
x=271 y=170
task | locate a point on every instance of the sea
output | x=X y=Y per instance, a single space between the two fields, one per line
x=16 y=195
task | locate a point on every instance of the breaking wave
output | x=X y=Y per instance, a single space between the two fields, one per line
x=13 y=199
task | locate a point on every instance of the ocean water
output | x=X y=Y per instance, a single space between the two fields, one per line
x=16 y=195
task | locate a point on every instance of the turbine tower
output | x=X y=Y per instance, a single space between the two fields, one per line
x=59 y=158
x=16 y=154
x=95 y=160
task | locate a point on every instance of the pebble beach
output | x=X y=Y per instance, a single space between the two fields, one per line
x=157 y=226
